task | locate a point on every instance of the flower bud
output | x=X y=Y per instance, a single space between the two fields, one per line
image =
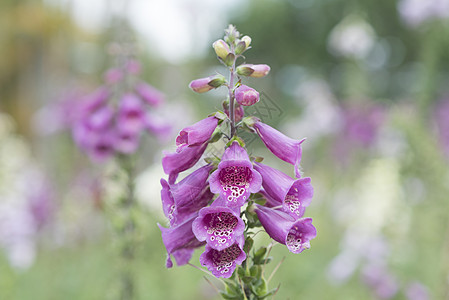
x=256 y=71
x=247 y=40
x=203 y=85
x=221 y=49
x=243 y=44
x=246 y=96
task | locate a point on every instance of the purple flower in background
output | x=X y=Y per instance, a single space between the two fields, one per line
x=126 y=142
x=285 y=229
x=246 y=96
x=131 y=114
x=188 y=196
x=180 y=241
x=219 y=226
x=294 y=195
x=196 y=134
x=285 y=148
x=133 y=67
x=158 y=127
x=113 y=75
x=222 y=263
x=383 y=284
x=149 y=94
x=441 y=114
x=416 y=291
x=361 y=124
x=235 y=179
x=101 y=119
x=102 y=146
x=174 y=163
x=94 y=100
x=41 y=204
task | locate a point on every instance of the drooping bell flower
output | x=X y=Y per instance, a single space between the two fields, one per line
x=131 y=114
x=294 y=195
x=251 y=70
x=180 y=241
x=158 y=127
x=235 y=179
x=133 y=67
x=285 y=148
x=384 y=284
x=206 y=84
x=174 y=163
x=219 y=226
x=246 y=96
x=113 y=75
x=196 y=134
x=101 y=146
x=285 y=229
x=222 y=263
x=94 y=100
x=188 y=196
x=101 y=119
x=126 y=142
x=149 y=94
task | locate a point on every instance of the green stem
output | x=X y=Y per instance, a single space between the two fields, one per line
x=231 y=96
x=127 y=233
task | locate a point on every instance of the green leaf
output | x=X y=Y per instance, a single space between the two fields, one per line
x=249 y=242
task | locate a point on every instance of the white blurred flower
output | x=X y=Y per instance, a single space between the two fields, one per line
x=353 y=37
x=416 y=12
x=320 y=116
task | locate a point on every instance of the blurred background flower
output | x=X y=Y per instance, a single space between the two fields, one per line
x=365 y=82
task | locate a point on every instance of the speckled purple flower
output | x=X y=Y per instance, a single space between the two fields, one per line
x=219 y=226
x=285 y=229
x=189 y=195
x=223 y=263
x=235 y=179
x=180 y=241
x=285 y=148
x=174 y=163
x=294 y=195
x=196 y=134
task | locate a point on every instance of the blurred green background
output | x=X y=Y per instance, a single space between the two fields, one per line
x=365 y=81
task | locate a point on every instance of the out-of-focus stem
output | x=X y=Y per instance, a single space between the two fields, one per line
x=127 y=233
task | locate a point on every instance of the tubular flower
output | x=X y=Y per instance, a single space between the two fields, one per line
x=283 y=228
x=149 y=94
x=180 y=241
x=196 y=134
x=251 y=70
x=222 y=263
x=293 y=194
x=131 y=114
x=126 y=142
x=206 y=84
x=235 y=179
x=285 y=148
x=175 y=163
x=182 y=199
x=219 y=226
x=246 y=95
